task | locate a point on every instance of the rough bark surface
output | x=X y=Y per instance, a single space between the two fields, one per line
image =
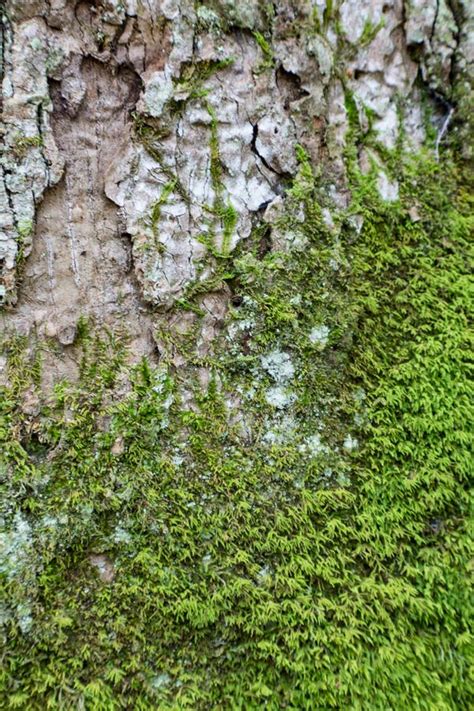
x=142 y=140
x=234 y=354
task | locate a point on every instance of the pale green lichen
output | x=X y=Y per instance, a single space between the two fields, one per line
x=278 y=365
x=319 y=335
x=279 y=396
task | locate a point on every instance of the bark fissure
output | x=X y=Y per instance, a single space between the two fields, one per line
x=262 y=158
x=199 y=160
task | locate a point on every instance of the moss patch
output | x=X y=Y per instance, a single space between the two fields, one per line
x=295 y=538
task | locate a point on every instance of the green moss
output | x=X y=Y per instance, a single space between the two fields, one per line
x=267 y=52
x=268 y=562
x=155 y=211
x=22 y=143
x=150 y=132
x=24 y=230
x=369 y=32
x=216 y=167
x=223 y=214
x=156 y=207
x=328 y=13
x=193 y=75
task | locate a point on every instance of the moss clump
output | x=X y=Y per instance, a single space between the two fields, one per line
x=309 y=555
x=191 y=84
x=21 y=144
x=223 y=214
x=268 y=60
x=369 y=32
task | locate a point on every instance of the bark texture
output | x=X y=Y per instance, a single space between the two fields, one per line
x=234 y=354
x=143 y=140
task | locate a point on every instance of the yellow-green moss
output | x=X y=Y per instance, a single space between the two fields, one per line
x=312 y=556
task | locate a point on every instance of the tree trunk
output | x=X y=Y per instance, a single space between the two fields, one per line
x=234 y=209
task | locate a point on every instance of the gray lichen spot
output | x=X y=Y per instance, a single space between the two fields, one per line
x=104 y=566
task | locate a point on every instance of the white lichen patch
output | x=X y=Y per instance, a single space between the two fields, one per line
x=160 y=680
x=236 y=328
x=313 y=446
x=279 y=397
x=350 y=443
x=388 y=189
x=16 y=547
x=280 y=431
x=120 y=535
x=264 y=575
x=319 y=335
x=24 y=617
x=208 y=17
x=343 y=479
x=158 y=92
x=278 y=365
x=104 y=567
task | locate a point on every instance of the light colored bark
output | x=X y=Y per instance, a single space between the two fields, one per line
x=145 y=140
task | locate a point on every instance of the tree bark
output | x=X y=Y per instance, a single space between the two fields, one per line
x=143 y=139
x=234 y=402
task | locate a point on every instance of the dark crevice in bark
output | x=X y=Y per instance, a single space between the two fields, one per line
x=289 y=84
x=284 y=175
x=3 y=22
x=39 y=123
x=435 y=19
x=458 y=18
x=60 y=105
x=6 y=173
x=265 y=242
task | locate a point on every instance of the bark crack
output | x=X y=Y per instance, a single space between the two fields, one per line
x=267 y=165
x=435 y=19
